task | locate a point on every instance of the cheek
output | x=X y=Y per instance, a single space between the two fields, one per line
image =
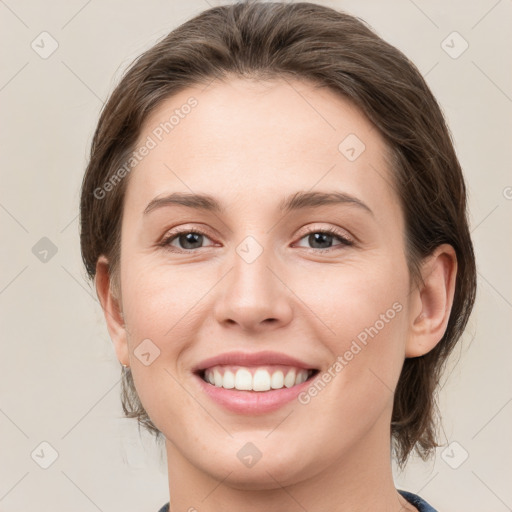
x=162 y=304
x=373 y=354
x=159 y=308
x=357 y=389
x=365 y=310
x=355 y=298
x=156 y=299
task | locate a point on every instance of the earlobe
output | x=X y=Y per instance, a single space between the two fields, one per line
x=112 y=309
x=434 y=298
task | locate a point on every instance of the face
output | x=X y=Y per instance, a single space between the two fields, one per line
x=318 y=285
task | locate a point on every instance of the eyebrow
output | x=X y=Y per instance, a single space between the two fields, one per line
x=298 y=201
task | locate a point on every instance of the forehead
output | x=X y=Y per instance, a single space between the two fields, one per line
x=243 y=136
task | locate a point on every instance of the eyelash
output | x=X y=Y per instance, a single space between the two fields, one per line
x=166 y=242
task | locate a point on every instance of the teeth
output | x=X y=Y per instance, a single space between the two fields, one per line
x=261 y=380
x=277 y=380
x=229 y=380
x=289 y=380
x=243 y=380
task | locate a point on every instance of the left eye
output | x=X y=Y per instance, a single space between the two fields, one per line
x=325 y=236
x=190 y=240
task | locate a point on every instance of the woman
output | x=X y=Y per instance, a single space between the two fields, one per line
x=274 y=217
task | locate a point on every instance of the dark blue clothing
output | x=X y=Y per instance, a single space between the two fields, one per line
x=413 y=499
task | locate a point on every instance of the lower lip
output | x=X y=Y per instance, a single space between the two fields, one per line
x=252 y=402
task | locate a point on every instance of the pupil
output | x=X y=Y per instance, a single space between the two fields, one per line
x=190 y=239
x=318 y=237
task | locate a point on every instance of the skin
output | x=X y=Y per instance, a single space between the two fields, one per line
x=250 y=144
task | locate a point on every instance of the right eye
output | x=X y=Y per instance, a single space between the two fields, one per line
x=187 y=238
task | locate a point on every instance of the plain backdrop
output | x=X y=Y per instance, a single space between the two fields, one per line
x=60 y=380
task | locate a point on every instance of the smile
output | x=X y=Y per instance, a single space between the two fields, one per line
x=262 y=378
x=253 y=383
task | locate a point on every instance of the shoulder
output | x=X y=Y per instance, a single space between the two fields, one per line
x=165 y=508
x=418 y=502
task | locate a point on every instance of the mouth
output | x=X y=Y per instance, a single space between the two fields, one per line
x=255 y=378
x=253 y=383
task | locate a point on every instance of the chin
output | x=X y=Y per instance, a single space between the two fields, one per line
x=266 y=478
x=271 y=471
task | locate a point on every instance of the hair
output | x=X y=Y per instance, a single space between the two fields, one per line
x=310 y=42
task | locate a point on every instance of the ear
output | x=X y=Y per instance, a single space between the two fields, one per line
x=432 y=301
x=111 y=309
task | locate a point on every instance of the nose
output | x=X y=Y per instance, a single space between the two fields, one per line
x=253 y=295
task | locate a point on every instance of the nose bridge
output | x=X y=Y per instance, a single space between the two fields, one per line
x=252 y=279
x=252 y=292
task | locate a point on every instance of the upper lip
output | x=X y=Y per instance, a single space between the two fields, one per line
x=252 y=359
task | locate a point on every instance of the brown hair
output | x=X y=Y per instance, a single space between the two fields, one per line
x=311 y=42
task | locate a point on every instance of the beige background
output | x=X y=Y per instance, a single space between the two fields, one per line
x=58 y=372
